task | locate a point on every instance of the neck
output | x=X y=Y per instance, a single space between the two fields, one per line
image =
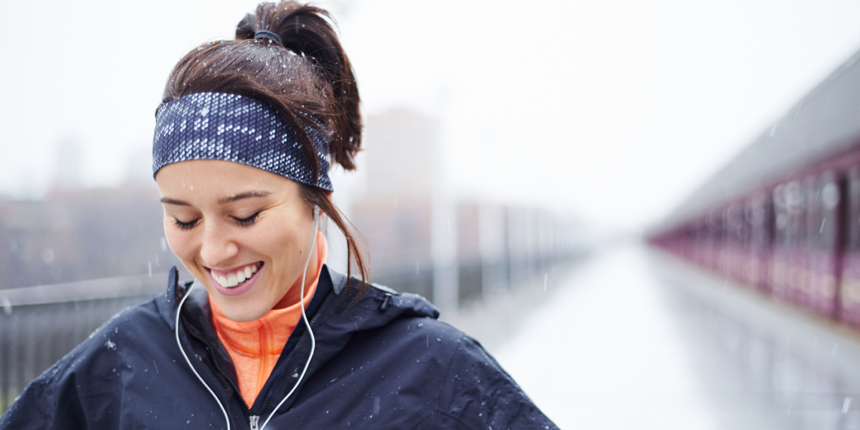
x=318 y=256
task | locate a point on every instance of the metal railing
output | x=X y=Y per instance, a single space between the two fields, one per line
x=40 y=325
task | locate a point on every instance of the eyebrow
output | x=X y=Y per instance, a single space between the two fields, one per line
x=245 y=195
x=223 y=200
x=170 y=201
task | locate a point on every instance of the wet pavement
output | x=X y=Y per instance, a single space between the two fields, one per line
x=636 y=339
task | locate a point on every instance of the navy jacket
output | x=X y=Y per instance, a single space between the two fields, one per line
x=384 y=362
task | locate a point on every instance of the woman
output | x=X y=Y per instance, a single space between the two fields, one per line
x=274 y=338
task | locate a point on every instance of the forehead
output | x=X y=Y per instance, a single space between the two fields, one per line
x=217 y=178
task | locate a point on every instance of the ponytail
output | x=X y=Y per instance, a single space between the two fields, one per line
x=307 y=31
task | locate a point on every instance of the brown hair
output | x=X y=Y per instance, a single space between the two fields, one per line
x=308 y=77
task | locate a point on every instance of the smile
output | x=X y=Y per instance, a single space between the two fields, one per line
x=235 y=277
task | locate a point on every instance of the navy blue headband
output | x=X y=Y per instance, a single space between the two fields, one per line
x=218 y=126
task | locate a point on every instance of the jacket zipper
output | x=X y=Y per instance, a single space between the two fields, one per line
x=255 y=422
x=290 y=357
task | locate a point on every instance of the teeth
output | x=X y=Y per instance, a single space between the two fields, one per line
x=237 y=277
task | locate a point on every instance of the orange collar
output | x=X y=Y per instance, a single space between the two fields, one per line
x=255 y=346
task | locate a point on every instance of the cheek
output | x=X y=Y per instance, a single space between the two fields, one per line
x=180 y=242
x=282 y=244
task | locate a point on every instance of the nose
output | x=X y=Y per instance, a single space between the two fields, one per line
x=218 y=247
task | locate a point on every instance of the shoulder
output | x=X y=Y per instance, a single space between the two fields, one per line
x=465 y=385
x=129 y=328
x=477 y=392
x=428 y=331
x=91 y=370
x=470 y=387
x=404 y=328
x=130 y=325
x=407 y=320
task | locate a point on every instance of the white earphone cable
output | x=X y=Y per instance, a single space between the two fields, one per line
x=307 y=324
x=176 y=325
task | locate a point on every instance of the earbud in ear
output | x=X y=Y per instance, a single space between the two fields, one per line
x=316 y=213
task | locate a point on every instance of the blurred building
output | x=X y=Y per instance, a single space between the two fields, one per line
x=68 y=166
x=82 y=234
x=395 y=213
x=425 y=239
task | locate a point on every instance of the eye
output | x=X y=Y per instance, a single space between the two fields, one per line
x=185 y=225
x=244 y=222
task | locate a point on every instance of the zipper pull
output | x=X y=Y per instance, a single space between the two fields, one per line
x=255 y=422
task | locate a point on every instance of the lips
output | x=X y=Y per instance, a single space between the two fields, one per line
x=235 y=277
x=221 y=279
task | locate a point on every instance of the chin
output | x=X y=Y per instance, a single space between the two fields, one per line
x=243 y=308
x=240 y=313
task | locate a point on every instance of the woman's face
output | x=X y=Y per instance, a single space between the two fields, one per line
x=244 y=233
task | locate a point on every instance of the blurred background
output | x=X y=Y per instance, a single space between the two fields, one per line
x=558 y=177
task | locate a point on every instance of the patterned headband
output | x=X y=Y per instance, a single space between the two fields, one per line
x=230 y=127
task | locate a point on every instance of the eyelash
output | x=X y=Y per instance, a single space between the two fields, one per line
x=242 y=222
x=185 y=225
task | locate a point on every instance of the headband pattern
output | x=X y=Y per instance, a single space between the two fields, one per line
x=230 y=127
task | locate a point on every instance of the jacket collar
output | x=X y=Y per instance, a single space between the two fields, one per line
x=168 y=302
x=336 y=312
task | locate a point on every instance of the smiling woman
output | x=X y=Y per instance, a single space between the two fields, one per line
x=225 y=219
x=243 y=142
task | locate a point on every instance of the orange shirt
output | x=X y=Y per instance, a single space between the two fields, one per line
x=255 y=346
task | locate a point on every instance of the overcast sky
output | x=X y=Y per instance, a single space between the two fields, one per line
x=617 y=109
